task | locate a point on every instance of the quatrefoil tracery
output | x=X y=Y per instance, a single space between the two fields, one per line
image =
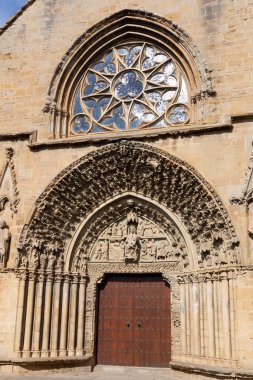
x=131 y=87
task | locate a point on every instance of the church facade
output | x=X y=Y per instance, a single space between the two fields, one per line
x=126 y=186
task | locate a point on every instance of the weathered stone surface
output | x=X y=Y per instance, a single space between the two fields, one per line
x=61 y=196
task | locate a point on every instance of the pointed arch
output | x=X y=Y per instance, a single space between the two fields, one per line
x=168 y=227
x=120 y=169
x=124 y=26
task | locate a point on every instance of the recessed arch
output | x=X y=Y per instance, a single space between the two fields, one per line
x=116 y=209
x=124 y=26
x=74 y=212
x=124 y=168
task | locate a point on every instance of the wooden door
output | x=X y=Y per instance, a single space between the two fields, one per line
x=134 y=321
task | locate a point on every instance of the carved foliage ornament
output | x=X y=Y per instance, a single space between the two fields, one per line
x=130 y=87
x=121 y=168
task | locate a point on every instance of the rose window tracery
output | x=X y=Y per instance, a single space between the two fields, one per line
x=130 y=87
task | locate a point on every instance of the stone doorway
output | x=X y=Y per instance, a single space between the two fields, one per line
x=155 y=215
x=134 y=324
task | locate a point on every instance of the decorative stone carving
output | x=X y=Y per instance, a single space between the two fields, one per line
x=121 y=168
x=5 y=239
x=132 y=239
x=97 y=272
x=8 y=183
x=75 y=60
x=247 y=189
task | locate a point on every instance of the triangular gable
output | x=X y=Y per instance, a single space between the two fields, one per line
x=11 y=21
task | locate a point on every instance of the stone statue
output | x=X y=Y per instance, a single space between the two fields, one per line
x=132 y=244
x=52 y=261
x=60 y=262
x=43 y=260
x=5 y=239
x=77 y=262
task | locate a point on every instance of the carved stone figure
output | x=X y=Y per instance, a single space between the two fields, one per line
x=151 y=248
x=132 y=244
x=8 y=183
x=162 y=250
x=113 y=244
x=132 y=217
x=43 y=261
x=52 y=260
x=60 y=262
x=101 y=252
x=77 y=261
x=5 y=238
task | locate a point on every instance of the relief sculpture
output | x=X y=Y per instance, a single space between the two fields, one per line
x=132 y=239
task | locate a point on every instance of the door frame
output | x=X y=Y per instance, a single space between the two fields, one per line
x=129 y=275
x=96 y=274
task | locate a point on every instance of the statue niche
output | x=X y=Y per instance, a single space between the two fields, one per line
x=132 y=239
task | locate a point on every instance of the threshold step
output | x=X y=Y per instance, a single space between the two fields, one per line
x=131 y=369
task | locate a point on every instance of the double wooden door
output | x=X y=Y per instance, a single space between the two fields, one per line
x=134 y=321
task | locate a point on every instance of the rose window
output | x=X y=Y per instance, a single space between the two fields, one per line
x=131 y=87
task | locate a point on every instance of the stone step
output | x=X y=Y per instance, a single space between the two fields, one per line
x=131 y=370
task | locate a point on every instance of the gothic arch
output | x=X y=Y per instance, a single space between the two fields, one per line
x=120 y=169
x=167 y=230
x=124 y=26
x=60 y=267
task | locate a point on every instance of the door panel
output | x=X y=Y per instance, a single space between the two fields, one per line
x=134 y=321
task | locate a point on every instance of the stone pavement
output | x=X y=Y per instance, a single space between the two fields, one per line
x=104 y=373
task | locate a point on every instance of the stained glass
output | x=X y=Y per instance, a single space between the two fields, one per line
x=131 y=86
x=178 y=114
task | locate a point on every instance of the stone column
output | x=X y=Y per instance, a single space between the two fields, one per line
x=38 y=315
x=202 y=318
x=72 y=317
x=183 y=318
x=232 y=313
x=216 y=285
x=220 y=306
x=29 y=315
x=188 y=318
x=210 y=318
x=226 y=317
x=81 y=314
x=20 y=312
x=47 y=316
x=64 y=317
x=196 y=317
x=55 y=315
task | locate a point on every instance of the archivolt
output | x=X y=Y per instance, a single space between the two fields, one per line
x=124 y=168
x=91 y=229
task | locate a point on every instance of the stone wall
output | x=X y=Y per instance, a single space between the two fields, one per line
x=30 y=51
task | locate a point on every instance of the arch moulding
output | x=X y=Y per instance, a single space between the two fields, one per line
x=124 y=26
x=126 y=208
x=122 y=169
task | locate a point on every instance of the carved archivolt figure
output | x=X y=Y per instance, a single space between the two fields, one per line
x=5 y=239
